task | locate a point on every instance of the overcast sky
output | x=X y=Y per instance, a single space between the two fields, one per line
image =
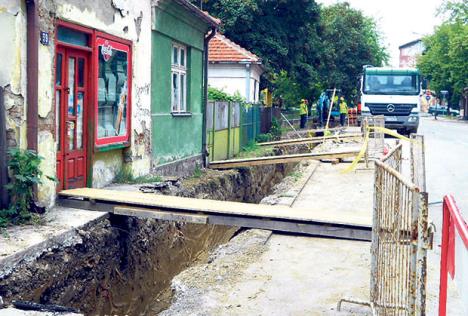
x=400 y=21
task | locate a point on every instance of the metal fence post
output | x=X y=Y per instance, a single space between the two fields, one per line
x=213 y=132
x=413 y=276
x=375 y=236
x=253 y=123
x=229 y=131
x=423 y=245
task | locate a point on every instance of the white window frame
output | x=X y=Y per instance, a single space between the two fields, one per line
x=179 y=106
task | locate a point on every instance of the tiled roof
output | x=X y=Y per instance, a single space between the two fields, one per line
x=222 y=49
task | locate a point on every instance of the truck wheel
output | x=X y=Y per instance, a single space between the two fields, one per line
x=412 y=131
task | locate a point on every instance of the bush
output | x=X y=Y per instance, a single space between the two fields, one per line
x=275 y=130
x=219 y=95
x=24 y=171
x=262 y=138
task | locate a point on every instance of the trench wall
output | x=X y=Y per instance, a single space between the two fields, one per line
x=122 y=265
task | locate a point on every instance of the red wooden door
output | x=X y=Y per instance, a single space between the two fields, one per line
x=71 y=97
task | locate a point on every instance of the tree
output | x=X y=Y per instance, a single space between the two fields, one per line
x=350 y=40
x=315 y=47
x=445 y=60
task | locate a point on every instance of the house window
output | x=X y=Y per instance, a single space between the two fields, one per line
x=179 y=79
x=113 y=89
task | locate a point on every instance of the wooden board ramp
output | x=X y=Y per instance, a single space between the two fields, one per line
x=202 y=211
x=271 y=160
x=310 y=140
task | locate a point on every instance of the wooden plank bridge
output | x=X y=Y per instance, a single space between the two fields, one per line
x=201 y=211
x=271 y=160
x=311 y=140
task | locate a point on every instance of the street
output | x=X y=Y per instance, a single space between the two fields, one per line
x=446 y=156
x=317 y=272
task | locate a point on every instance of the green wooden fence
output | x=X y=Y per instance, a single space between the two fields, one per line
x=230 y=126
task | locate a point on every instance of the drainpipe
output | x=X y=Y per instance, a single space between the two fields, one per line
x=205 y=94
x=32 y=57
x=3 y=156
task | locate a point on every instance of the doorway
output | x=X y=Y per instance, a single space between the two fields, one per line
x=71 y=107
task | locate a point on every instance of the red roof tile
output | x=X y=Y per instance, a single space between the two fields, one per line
x=222 y=49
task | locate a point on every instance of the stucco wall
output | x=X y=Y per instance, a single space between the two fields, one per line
x=13 y=68
x=235 y=79
x=175 y=137
x=126 y=19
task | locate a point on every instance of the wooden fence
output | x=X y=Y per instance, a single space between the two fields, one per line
x=231 y=126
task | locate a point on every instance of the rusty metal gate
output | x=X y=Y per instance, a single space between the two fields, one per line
x=400 y=237
x=399 y=244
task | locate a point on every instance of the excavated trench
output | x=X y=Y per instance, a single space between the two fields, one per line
x=123 y=265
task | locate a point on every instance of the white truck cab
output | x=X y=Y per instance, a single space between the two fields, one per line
x=394 y=93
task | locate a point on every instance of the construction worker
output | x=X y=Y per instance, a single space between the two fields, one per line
x=320 y=107
x=325 y=108
x=303 y=111
x=343 y=111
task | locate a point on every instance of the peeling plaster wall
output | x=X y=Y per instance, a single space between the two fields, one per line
x=126 y=19
x=106 y=166
x=130 y=20
x=122 y=18
x=13 y=68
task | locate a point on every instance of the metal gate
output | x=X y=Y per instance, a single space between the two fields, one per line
x=400 y=237
x=399 y=245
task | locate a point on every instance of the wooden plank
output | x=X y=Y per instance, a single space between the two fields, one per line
x=309 y=140
x=321 y=130
x=173 y=203
x=310 y=227
x=271 y=160
x=161 y=215
x=353 y=232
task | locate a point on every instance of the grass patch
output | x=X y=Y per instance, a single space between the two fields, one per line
x=252 y=150
x=197 y=172
x=126 y=177
x=296 y=175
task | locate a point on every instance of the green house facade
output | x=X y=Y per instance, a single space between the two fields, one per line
x=177 y=85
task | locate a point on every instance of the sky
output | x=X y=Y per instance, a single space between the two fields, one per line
x=400 y=21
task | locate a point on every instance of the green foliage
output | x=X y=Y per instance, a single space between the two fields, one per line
x=296 y=175
x=219 y=95
x=250 y=146
x=287 y=90
x=445 y=61
x=305 y=47
x=263 y=138
x=25 y=173
x=125 y=176
x=276 y=130
x=457 y=11
x=197 y=172
x=350 y=40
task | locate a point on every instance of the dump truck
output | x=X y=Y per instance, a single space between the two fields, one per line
x=393 y=93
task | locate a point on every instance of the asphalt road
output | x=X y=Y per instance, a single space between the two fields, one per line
x=446 y=160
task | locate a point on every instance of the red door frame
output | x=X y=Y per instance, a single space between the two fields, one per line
x=89 y=132
x=78 y=157
x=65 y=48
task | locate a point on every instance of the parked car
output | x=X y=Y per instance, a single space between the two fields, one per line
x=442 y=110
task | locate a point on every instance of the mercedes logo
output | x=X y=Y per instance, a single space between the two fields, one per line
x=390 y=108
